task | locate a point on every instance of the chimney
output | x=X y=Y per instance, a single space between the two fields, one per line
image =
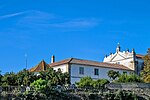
x=52 y=59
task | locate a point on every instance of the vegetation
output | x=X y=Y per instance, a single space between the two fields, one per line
x=121 y=95
x=46 y=82
x=9 y=79
x=145 y=74
x=85 y=82
x=55 y=78
x=124 y=78
x=42 y=84
x=113 y=74
x=88 y=82
x=25 y=78
x=39 y=85
x=45 y=85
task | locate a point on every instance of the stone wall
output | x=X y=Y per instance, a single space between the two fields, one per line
x=141 y=89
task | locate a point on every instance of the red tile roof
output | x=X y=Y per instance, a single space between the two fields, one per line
x=40 y=67
x=139 y=56
x=90 y=63
x=60 y=62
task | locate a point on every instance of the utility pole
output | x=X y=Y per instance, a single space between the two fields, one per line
x=26 y=68
x=26 y=61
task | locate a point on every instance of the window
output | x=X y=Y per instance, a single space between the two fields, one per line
x=118 y=62
x=81 y=70
x=96 y=71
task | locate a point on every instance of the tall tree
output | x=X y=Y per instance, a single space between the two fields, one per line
x=146 y=71
x=24 y=77
x=9 y=79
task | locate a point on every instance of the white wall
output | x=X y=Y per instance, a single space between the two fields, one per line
x=124 y=58
x=64 y=68
x=89 y=71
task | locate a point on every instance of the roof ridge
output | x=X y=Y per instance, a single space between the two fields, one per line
x=71 y=60
x=38 y=64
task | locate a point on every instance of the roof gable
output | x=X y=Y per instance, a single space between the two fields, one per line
x=117 y=56
x=40 y=67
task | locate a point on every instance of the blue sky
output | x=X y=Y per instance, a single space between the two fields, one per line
x=87 y=29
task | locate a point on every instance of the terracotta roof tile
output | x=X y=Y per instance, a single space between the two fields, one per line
x=89 y=62
x=40 y=67
x=60 y=62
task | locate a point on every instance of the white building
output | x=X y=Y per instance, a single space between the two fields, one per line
x=79 y=68
x=124 y=61
x=129 y=59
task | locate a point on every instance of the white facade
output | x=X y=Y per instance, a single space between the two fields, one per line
x=63 y=68
x=75 y=75
x=90 y=71
x=122 y=58
x=127 y=59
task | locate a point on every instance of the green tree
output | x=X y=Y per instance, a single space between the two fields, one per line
x=39 y=85
x=85 y=82
x=113 y=74
x=100 y=83
x=9 y=79
x=24 y=77
x=55 y=77
x=124 y=78
x=146 y=71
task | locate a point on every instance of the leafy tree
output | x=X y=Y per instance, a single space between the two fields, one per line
x=9 y=79
x=55 y=77
x=24 y=77
x=85 y=82
x=146 y=71
x=89 y=82
x=100 y=83
x=124 y=78
x=113 y=74
x=39 y=85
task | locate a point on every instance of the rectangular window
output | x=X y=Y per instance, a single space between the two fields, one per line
x=81 y=70
x=96 y=71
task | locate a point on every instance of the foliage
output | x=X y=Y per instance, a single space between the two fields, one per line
x=55 y=77
x=25 y=77
x=39 y=85
x=124 y=78
x=88 y=82
x=121 y=95
x=113 y=74
x=9 y=79
x=146 y=71
x=100 y=83
x=85 y=82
